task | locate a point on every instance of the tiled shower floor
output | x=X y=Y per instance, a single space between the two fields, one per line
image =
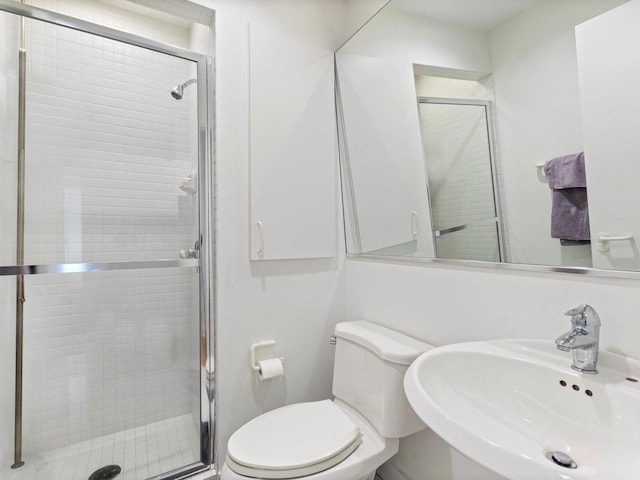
x=142 y=452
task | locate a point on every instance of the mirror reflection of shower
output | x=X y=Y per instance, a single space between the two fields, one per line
x=178 y=90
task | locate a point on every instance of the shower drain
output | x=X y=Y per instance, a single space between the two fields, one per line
x=562 y=459
x=106 y=473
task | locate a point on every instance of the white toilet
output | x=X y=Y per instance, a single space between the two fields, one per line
x=344 y=439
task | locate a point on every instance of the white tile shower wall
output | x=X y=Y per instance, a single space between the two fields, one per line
x=105 y=352
x=460 y=182
x=101 y=119
x=107 y=150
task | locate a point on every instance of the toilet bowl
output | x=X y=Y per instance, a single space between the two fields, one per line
x=347 y=438
x=371 y=451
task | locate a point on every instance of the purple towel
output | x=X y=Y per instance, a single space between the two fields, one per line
x=570 y=214
x=566 y=172
x=570 y=208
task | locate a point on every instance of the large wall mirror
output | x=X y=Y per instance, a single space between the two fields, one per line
x=494 y=130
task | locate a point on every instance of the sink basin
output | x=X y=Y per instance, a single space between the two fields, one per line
x=507 y=404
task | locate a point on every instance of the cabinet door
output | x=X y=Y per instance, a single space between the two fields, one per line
x=293 y=147
x=609 y=70
x=383 y=149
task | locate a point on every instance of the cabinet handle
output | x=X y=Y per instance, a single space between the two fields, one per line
x=260 y=239
x=415 y=226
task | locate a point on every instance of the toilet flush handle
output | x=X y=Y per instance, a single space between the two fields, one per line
x=332 y=340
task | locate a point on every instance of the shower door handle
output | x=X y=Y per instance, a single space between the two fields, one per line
x=191 y=252
x=458 y=228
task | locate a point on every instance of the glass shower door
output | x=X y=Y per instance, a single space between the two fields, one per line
x=115 y=322
x=461 y=179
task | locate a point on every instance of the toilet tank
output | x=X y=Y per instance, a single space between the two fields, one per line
x=369 y=368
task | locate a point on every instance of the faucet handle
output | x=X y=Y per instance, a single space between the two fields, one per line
x=583 y=315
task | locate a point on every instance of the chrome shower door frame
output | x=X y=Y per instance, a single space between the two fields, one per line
x=493 y=166
x=206 y=258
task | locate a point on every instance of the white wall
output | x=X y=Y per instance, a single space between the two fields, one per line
x=124 y=16
x=442 y=305
x=535 y=75
x=294 y=302
x=357 y=13
x=446 y=305
x=432 y=86
x=297 y=302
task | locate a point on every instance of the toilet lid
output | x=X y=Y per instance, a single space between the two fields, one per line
x=294 y=437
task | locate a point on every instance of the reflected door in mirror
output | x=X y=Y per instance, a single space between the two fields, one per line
x=460 y=176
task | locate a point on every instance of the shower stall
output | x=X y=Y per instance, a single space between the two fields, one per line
x=106 y=251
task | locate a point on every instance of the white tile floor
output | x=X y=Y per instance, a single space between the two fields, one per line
x=142 y=452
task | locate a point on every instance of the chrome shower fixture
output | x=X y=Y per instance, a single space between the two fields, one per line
x=178 y=90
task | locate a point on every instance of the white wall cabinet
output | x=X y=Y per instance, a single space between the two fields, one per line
x=609 y=68
x=293 y=162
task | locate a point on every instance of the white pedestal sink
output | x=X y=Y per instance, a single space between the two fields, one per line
x=507 y=404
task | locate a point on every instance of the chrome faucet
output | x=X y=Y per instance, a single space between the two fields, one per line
x=583 y=339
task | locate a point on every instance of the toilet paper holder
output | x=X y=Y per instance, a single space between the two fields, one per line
x=263 y=351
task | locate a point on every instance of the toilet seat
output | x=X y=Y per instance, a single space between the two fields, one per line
x=370 y=454
x=293 y=441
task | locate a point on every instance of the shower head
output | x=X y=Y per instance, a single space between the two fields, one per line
x=178 y=90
